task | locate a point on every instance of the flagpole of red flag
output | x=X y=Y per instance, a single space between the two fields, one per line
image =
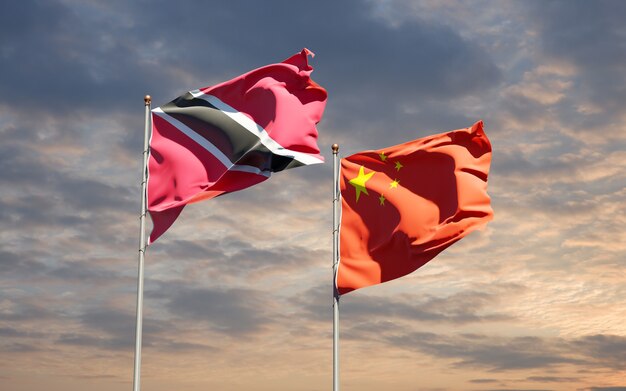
x=336 y=195
x=142 y=246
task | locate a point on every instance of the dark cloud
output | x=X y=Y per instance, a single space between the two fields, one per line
x=33 y=211
x=619 y=388
x=116 y=323
x=61 y=58
x=101 y=342
x=598 y=49
x=358 y=52
x=16 y=347
x=161 y=343
x=37 y=266
x=17 y=264
x=517 y=353
x=39 y=196
x=483 y=381
x=23 y=167
x=552 y=379
x=20 y=339
x=471 y=350
x=461 y=308
x=93 y=377
x=596 y=45
x=85 y=273
x=107 y=329
x=108 y=65
x=517 y=389
x=73 y=77
x=370 y=313
x=607 y=350
x=10 y=332
x=20 y=166
x=189 y=250
x=112 y=329
x=231 y=256
x=26 y=310
x=233 y=312
x=515 y=163
x=171 y=345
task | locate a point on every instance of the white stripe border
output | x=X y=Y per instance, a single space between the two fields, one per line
x=256 y=129
x=204 y=143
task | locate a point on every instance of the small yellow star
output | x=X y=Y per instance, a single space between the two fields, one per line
x=399 y=166
x=382 y=199
x=359 y=182
x=383 y=157
x=394 y=184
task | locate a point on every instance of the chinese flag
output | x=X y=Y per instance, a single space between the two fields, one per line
x=403 y=205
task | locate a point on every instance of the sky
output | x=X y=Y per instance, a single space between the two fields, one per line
x=238 y=293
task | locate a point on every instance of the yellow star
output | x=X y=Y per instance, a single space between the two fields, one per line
x=394 y=184
x=399 y=166
x=382 y=199
x=383 y=157
x=359 y=182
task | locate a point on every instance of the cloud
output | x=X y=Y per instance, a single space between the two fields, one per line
x=533 y=302
x=499 y=354
x=16 y=347
x=596 y=51
x=541 y=86
x=230 y=256
x=232 y=312
x=10 y=332
x=17 y=265
x=552 y=379
x=484 y=381
x=68 y=58
x=23 y=310
x=372 y=313
x=39 y=197
x=415 y=61
x=606 y=350
x=114 y=330
x=481 y=351
x=518 y=389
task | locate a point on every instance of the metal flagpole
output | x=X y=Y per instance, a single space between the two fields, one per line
x=335 y=265
x=142 y=247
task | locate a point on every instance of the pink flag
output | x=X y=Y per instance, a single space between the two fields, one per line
x=228 y=137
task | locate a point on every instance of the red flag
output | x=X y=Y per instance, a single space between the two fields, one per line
x=228 y=137
x=403 y=205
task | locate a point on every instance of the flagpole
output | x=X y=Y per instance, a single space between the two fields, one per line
x=142 y=247
x=335 y=148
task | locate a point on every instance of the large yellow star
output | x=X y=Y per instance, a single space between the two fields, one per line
x=359 y=182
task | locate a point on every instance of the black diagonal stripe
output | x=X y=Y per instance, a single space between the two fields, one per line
x=267 y=161
x=231 y=138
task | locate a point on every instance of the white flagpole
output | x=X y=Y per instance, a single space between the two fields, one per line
x=335 y=265
x=142 y=247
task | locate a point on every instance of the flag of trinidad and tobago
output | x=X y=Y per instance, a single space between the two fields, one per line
x=230 y=136
x=403 y=205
